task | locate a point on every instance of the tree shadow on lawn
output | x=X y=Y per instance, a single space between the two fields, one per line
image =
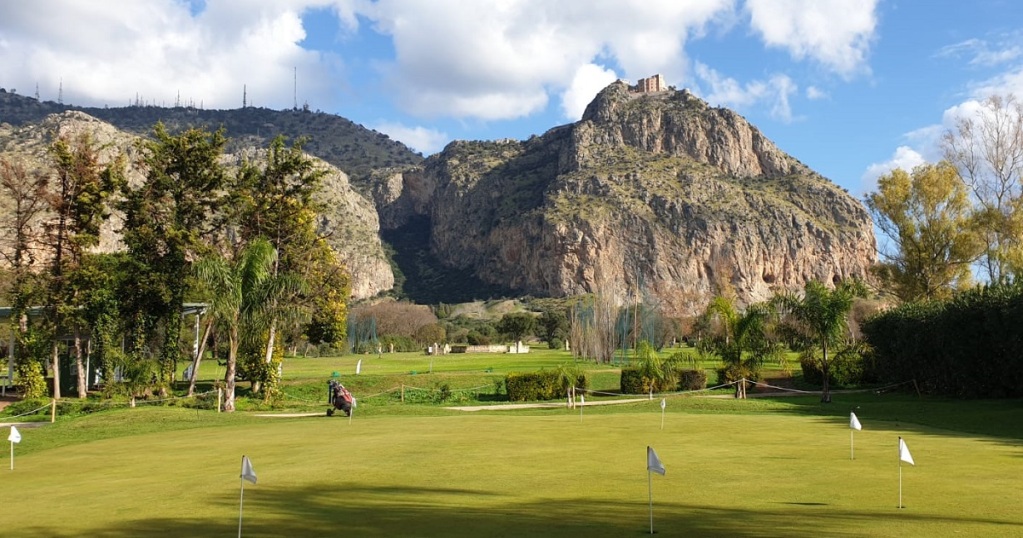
x=335 y=509
x=1002 y=420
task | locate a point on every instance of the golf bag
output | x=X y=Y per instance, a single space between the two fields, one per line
x=339 y=398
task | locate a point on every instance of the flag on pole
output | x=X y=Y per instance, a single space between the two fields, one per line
x=358 y=367
x=904 y=454
x=663 y=404
x=582 y=399
x=653 y=463
x=854 y=422
x=15 y=436
x=248 y=473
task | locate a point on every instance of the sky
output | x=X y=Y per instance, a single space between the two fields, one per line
x=852 y=88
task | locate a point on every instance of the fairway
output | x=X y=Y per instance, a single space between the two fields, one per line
x=528 y=473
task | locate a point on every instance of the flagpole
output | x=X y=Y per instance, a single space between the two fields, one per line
x=650 y=487
x=241 y=503
x=852 y=450
x=12 y=455
x=900 y=482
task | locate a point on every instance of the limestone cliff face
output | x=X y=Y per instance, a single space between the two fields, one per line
x=349 y=220
x=659 y=195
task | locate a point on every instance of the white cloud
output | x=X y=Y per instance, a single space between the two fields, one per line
x=588 y=80
x=904 y=157
x=983 y=53
x=726 y=91
x=814 y=93
x=500 y=60
x=835 y=33
x=109 y=52
x=422 y=139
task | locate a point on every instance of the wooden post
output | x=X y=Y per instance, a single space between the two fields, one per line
x=53 y=410
x=219 y=396
x=402 y=393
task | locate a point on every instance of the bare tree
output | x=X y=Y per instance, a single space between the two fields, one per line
x=987 y=149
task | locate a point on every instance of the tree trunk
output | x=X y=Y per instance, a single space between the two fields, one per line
x=198 y=357
x=232 y=367
x=268 y=357
x=826 y=374
x=83 y=376
x=56 y=369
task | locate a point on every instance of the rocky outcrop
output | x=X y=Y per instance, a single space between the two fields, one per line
x=655 y=196
x=349 y=219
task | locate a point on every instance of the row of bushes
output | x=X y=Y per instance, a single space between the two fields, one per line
x=542 y=385
x=634 y=382
x=970 y=346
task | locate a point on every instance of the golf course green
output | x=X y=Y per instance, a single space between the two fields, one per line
x=758 y=467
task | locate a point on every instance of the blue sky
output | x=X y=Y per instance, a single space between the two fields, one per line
x=850 y=87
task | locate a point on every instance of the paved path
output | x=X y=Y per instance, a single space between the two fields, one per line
x=547 y=405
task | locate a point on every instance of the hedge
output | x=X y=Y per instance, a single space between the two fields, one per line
x=542 y=385
x=634 y=382
x=970 y=346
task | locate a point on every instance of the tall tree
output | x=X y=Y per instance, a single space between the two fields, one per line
x=77 y=202
x=823 y=315
x=275 y=200
x=987 y=148
x=167 y=222
x=928 y=218
x=20 y=227
x=236 y=291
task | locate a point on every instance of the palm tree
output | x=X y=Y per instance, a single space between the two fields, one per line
x=822 y=315
x=744 y=340
x=236 y=291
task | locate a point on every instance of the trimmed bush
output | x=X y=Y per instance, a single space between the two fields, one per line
x=692 y=380
x=634 y=382
x=970 y=346
x=542 y=385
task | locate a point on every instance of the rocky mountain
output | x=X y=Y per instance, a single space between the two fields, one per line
x=652 y=195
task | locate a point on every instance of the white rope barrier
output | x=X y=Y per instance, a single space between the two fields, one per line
x=29 y=412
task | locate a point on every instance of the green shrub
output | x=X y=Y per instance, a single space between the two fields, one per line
x=846 y=369
x=692 y=380
x=542 y=385
x=30 y=381
x=634 y=382
x=970 y=346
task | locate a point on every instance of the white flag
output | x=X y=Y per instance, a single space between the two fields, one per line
x=248 y=473
x=653 y=463
x=904 y=454
x=854 y=422
x=15 y=436
x=663 y=404
x=582 y=398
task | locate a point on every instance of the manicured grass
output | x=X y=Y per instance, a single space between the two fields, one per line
x=765 y=467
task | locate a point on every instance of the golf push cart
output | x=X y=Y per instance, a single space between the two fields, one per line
x=339 y=398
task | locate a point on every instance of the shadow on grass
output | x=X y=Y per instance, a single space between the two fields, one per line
x=338 y=509
x=1001 y=420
